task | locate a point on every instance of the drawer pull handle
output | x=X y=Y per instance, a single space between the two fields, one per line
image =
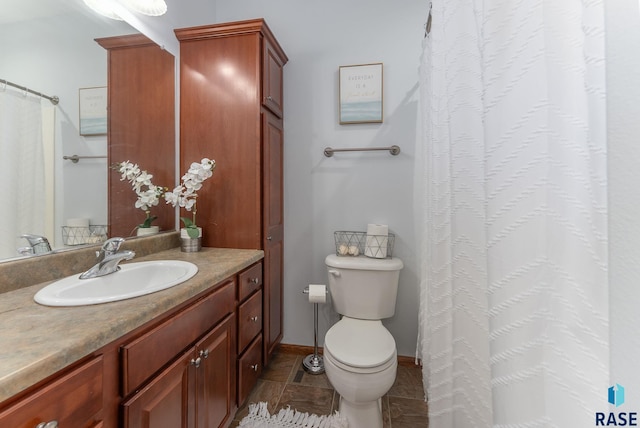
x=254 y=280
x=254 y=318
x=254 y=367
x=50 y=424
x=196 y=362
x=204 y=353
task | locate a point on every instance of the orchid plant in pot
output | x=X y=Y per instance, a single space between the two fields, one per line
x=148 y=193
x=185 y=194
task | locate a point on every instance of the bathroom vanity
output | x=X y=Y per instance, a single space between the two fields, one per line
x=182 y=357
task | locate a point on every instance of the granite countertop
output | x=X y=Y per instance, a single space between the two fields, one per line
x=38 y=341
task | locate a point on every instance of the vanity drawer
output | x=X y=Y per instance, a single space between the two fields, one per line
x=74 y=399
x=249 y=281
x=249 y=320
x=147 y=354
x=249 y=369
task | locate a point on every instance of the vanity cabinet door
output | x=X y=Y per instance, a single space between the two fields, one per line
x=167 y=401
x=74 y=399
x=215 y=376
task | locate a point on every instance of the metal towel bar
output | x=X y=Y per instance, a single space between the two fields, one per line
x=394 y=150
x=76 y=158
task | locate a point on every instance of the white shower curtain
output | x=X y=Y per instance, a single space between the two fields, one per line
x=514 y=295
x=21 y=170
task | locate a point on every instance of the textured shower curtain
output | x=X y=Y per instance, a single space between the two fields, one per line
x=514 y=295
x=21 y=170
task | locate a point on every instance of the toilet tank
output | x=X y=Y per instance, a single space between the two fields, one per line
x=363 y=287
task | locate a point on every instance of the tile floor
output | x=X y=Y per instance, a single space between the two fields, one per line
x=285 y=383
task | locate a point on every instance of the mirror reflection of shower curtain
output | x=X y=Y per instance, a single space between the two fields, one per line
x=22 y=172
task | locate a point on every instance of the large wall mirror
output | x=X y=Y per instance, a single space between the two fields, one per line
x=49 y=46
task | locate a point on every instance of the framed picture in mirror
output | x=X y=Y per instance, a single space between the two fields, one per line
x=93 y=111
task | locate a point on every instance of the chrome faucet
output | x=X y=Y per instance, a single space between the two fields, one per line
x=37 y=245
x=108 y=259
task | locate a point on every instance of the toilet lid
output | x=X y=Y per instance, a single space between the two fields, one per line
x=360 y=343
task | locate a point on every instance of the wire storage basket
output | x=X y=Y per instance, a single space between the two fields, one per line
x=355 y=243
x=94 y=234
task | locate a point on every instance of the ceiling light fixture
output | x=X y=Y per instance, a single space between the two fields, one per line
x=103 y=7
x=147 y=7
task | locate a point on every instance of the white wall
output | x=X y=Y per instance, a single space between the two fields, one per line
x=623 y=117
x=349 y=190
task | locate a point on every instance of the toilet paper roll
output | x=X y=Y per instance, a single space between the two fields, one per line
x=78 y=222
x=317 y=293
x=377 y=241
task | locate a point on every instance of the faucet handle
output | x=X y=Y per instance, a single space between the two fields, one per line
x=112 y=245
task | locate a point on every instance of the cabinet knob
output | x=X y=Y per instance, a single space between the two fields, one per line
x=254 y=318
x=269 y=238
x=196 y=362
x=254 y=367
x=269 y=98
x=254 y=280
x=50 y=424
x=204 y=353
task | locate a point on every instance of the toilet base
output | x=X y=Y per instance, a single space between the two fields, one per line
x=362 y=415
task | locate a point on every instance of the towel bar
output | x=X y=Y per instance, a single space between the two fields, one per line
x=394 y=150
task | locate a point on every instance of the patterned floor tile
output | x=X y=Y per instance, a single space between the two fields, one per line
x=307 y=399
x=408 y=413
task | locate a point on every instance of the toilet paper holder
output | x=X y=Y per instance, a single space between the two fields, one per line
x=313 y=363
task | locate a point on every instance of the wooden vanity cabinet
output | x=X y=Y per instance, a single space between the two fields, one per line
x=231 y=103
x=195 y=390
x=73 y=399
x=179 y=370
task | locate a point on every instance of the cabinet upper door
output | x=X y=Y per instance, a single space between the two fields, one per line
x=272 y=64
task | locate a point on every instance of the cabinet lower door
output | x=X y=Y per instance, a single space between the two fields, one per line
x=216 y=375
x=167 y=401
x=273 y=225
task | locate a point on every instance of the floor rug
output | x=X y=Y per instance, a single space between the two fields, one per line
x=259 y=417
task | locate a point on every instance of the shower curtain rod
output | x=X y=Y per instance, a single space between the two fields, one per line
x=54 y=99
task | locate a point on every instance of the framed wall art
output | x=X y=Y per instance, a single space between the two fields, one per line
x=360 y=93
x=93 y=111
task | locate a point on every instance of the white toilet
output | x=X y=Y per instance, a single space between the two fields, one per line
x=359 y=352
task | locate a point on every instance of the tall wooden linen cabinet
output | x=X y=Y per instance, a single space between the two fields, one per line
x=231 y=95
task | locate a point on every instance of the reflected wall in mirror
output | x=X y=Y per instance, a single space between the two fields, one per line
x=49 y=46
x=141 y=127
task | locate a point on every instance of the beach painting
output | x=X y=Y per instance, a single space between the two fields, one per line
x=93 y=111
x=360 y=93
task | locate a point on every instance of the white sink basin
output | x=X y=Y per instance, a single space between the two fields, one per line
x=132 y=280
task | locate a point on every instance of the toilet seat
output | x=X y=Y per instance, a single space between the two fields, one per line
x=360 y=346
